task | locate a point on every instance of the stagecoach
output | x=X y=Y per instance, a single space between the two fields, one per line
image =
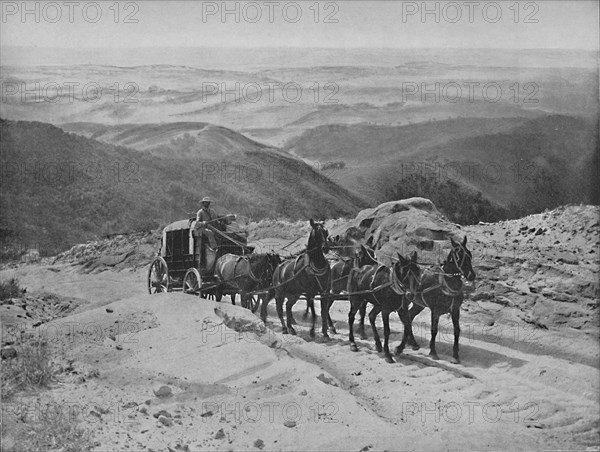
x=186 y=259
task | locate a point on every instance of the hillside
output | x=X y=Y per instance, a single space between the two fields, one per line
x=473 y=169
x=59 y=189
x=356 y=144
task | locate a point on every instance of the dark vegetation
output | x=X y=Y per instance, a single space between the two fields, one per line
x=10 y=289
x=507 y=168
x=457 y=202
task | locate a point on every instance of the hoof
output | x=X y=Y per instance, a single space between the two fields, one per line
x=364 y=337
x=434 y=356
x=353 y=347
x=455 y=360
x=292 y=331
x=312 y=333
x=333 y=330
x=389 y=359
x=398 y=350
x=326 y=338
x=284 y=331
x=415 y=346
x=379 y=348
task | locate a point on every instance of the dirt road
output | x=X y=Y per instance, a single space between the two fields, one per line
x=238 y=385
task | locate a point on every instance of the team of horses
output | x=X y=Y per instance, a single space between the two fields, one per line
x=402 y=287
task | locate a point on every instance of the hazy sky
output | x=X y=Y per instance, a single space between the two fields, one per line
x=396 y=24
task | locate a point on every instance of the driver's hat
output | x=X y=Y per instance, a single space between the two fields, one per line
x=206 y=199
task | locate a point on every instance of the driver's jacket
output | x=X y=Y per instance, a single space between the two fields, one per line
x=206 y=214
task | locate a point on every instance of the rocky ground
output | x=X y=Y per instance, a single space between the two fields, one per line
x=175 y=372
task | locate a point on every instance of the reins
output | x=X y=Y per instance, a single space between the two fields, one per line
x=442 y=282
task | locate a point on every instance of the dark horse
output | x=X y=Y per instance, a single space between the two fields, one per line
x=245 y=274
x=339 y=281
x=441 y=290
x=386 y=289
x=307 y=274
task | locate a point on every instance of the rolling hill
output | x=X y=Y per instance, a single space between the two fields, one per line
x=178 y=139
x=60 y=188
x=511 y=167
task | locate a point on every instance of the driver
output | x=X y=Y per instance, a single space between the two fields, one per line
x=205 y=213
x=203 y=216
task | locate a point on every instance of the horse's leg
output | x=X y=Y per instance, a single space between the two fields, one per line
x=386 y=335
x=435 y=319
x=232 y=296
x=351 y=316
x=279 y=298
x=405 y=319
x=305 y=315
x=372 y=318
x=310 y=302
x=288 y=312
x=263 y=307
x=259 y=301
x=361 y=326
x=325 y=319
x=293 y=320
x=244 y=298
x=414 y=311
x=330 y=301
x=455 y=322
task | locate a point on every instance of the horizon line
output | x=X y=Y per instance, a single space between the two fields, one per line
x=303 y=48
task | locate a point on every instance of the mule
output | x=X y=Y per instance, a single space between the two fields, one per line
x=441 y=290
x=339 y=282
x=245 y=274
x=386 y=289
x=307 y=274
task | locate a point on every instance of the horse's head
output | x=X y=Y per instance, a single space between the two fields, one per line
x=273 y=260
x=333 y=241
x=318 y=236
x=364 y=256
x=408 y=272
x=459 y=260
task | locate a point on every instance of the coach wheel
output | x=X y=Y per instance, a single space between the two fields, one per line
x=192 y=282
x=158 y=276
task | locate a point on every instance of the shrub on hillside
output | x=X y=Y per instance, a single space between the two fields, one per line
x=10 y=289
x=458 y=203
x=31 y=368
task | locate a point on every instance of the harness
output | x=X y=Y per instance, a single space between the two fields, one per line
x=444 y=288
x=394 y=283
x=344 y=276
x=250 y=273
x=309 y=266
